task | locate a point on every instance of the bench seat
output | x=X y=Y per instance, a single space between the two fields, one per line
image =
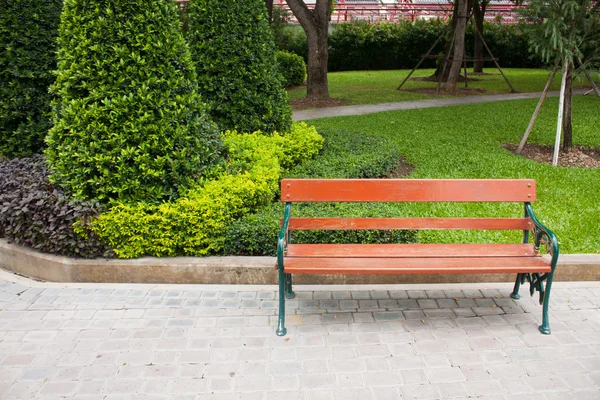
x=413 y=259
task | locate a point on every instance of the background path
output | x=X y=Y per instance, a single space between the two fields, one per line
x=126 y=341
x=302 y=115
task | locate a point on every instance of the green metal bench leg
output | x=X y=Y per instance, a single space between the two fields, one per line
x=545 y=327
x=289 y=293
x=281 y=331
x=515 y=294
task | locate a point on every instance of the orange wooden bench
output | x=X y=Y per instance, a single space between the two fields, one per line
x=523 y=259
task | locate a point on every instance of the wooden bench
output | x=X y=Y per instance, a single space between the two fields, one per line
x=523 y=259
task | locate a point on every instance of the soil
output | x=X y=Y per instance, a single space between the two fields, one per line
x=460 y=91
x=402 y=170
x=303 y=104
x=578 y=157
x=435 y=79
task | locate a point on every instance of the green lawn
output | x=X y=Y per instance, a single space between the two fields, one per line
x=466 y=142
x=369 y=87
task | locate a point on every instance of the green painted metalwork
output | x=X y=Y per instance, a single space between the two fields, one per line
x=285 y=282
x=546 y=238
x=289 y=293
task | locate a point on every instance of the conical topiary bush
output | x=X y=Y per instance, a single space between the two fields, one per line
x=232 y=46
x=129 y=123
x=28 y=31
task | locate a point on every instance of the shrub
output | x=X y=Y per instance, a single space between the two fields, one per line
x=197 y=223
x=37 y=214
x=292 y=67
x=256 y=234
x=382 y=46
x=232 y=45
x=129 y=122
x=351 y=155
x=345 y=155
x=28 y=31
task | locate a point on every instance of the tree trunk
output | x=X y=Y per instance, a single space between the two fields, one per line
x=459 y=46
x=317 y=85
x=269 y=4
x=315 y=23
x=448 y=49
x=567 y=124
x=479 y=16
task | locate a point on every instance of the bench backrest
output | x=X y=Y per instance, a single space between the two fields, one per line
x=408 y=190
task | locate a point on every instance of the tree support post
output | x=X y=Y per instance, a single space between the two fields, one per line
x=512 y=89
x=559 y=124
x=538 y=108
x=424 y=57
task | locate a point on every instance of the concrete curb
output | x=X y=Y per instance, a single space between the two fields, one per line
x=234 y=270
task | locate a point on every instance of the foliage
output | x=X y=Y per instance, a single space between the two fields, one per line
x=234 y=52
x=28 y=31
x=292 y=68
x=346 y=154
x=37 y=214
x=256 y=234
x=381 y=46
x=196 y=224
x=350 y=154
x=562 y=28
x=129 y=122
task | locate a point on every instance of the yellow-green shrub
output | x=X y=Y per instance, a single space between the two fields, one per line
x=196 y=224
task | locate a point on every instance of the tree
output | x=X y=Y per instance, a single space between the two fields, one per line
x=458 y=53
x=564 y=30
x=315 y=23
x=129 y=124
x=479 y=8
x=28 y=31
x=233 y=48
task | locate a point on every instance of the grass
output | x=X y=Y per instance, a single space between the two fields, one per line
x=370 y=87
x=466 y=142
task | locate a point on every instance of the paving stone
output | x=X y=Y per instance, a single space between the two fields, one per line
x=134 y=342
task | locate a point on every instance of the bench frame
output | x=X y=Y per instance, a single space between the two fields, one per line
x=541 y=235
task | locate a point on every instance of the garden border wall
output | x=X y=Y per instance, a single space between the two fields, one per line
x=234 y=270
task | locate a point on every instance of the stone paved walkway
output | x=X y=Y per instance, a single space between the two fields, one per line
x=111 y=341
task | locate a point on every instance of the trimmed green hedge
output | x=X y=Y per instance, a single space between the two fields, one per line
x=129 y=123
x=232 y=46
x=196 y=224
x=28 y=31
x=292 y=68
x=359 y=45
x=345 y=155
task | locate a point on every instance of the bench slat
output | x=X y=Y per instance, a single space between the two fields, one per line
x=408 y=190
x=408 y=250
x=475 y=265
x=300 y=224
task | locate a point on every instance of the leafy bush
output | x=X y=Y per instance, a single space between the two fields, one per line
x=28 y=31
x=345 y=155
x=196 y=224
x=234 y=52
x=292 y=67
x=129 y=122
x=382 y=46
x=37 y=214
x=351 y=155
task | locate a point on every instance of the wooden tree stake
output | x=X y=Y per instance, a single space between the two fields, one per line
x=561 y=106
x=537 y=109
